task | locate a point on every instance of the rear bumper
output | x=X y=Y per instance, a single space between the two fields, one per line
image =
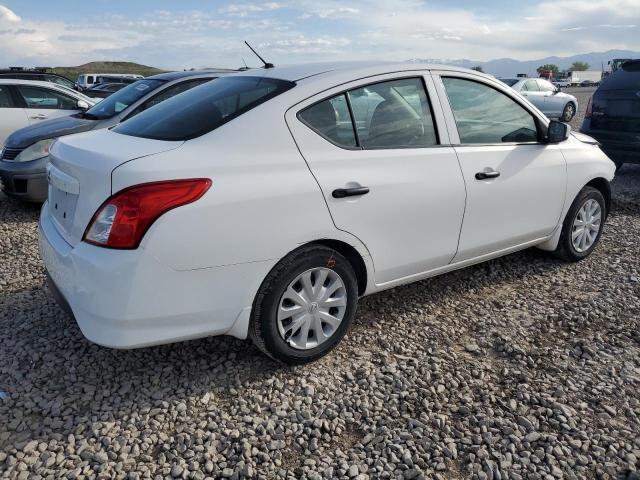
x=128 y=299
x=25 y=180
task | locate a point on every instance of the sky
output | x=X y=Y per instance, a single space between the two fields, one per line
x=180 y=34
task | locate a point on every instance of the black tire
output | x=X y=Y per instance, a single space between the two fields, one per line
x=568 y=113
x=263 y=328
x=566 y=249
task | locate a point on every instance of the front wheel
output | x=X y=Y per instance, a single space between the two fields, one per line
x=568 y=113
x=582 y=226
x=305 y=305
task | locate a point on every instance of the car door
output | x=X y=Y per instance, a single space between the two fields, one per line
x=394 y=182
x=12 y=116
x=553 y=104
x=515 y=183
x=44 y=103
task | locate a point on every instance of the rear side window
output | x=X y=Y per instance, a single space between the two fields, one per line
x=331 y=119
x=6 y=101
x=484 y=115
x=392 y=114
x=204 y=108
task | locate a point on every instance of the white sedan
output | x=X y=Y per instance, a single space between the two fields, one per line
x=263 y=204
x=27 y=102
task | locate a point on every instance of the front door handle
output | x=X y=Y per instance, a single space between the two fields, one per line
x=487 y=175
x=349 y=192
x=39 y=116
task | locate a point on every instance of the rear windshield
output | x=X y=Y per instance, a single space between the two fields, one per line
x=116 y=103
x=625 y=78
x=203 y=108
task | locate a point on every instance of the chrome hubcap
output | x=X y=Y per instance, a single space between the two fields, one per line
x=586 y=226
x=312 y=308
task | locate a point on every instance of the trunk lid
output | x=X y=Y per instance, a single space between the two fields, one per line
x=79 y=175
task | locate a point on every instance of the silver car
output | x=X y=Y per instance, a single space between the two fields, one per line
x=547 y=97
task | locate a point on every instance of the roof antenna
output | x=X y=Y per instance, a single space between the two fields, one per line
x=266 y=64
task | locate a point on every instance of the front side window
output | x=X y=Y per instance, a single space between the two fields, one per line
x=204 y=108
x=6 y=101
x=530 y=86
x=546 y=86
x=38 y=97
x=485 y=115
x=116 y=103
x=331 y=119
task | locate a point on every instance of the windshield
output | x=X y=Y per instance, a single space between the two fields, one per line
x=116 y=103
x=510 y=81
x=204 y=108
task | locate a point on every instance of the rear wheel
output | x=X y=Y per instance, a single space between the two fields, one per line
x=568 y=113
x=305 y=305
x=582 y=226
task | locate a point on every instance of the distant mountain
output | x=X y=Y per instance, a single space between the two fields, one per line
x=106 y=67
x=509 y=67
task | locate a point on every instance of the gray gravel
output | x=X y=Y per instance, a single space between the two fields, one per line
x=582 y=94
x=523 y=367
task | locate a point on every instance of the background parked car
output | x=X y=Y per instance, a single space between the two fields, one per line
x=23 y=174
x=547 y=97
x=613 y=114
x=87 y=80
x=103 y=90
x=24 y=103
x=40 y=75
x=562 y=83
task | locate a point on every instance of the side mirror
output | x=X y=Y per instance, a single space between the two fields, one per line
x=557 y=132
x=82 y=105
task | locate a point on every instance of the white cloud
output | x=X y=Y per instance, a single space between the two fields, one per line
x=7 y=15
x=333 y=30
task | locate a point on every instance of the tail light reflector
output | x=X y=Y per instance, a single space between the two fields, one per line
x=125 y=217
x=589 y=111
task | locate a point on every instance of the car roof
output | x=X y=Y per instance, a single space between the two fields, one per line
x=169 y=76
x=331 y=70
x=39 y=83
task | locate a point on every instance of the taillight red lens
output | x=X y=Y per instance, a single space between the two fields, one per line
x=125 y=217
x=589 y=111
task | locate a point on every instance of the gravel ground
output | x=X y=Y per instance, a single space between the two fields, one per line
x=522 y=367
x=582 y=94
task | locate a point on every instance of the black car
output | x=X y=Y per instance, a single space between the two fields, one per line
x=613 y=114
x=36 y=74
x=103 y=90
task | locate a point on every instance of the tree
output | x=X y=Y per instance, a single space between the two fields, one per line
x=579 y=66
x=548 y=66
x=478 y=68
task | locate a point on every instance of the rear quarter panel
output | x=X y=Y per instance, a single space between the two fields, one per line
x=263 y=201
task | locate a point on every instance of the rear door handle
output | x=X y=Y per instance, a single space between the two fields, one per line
x=349 y=192
x=487 y=175
x=39 y=116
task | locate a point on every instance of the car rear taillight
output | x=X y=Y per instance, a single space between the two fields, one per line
x=125 y=217
x=589 y=111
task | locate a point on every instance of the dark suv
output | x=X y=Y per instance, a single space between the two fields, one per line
x=613 y=114
x=39 y=74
